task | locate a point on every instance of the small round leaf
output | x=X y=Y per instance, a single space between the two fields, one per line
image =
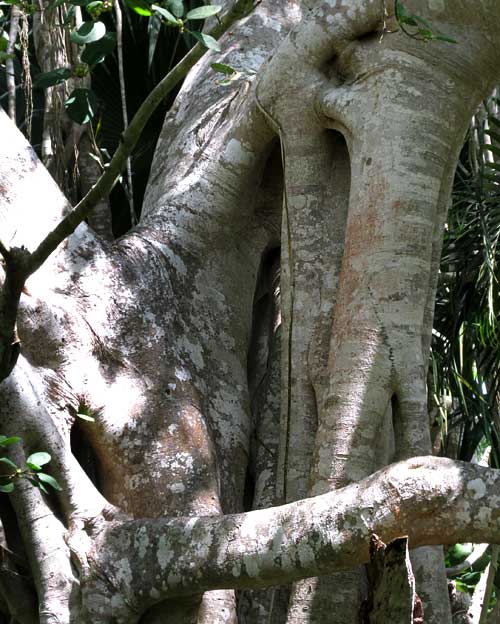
x=177 y=7
x=95 y=52
x=206 y=40
x=203 y=12
x=8 y=462
x=81 y=105
x=88 y=32
x=49 y=480
x=165 y=14
x=51 y=78
x=38 y=459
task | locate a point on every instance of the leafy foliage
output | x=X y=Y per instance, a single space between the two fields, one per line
x=32 y=472
x=155 y=36
x=81 y=105
x=465 y=353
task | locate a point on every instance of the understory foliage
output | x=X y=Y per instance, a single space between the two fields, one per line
x=113 y=67
x=464 y=374
x=465 y=355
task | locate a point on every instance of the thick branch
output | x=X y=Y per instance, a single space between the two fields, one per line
x=432 y=500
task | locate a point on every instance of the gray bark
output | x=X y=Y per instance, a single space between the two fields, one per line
x=152 y=332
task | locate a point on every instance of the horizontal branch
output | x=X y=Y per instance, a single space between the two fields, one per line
x=432 y=500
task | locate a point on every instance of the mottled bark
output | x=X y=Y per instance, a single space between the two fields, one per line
x=160 y=334
x=359 y=83
x=127 y=564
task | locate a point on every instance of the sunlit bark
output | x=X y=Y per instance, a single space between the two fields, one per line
x=160 y=334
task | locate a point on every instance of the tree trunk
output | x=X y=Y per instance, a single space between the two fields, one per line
x=168 y=336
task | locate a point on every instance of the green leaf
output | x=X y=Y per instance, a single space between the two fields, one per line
x=426 y=34
x=5 y=441
x=491 y=148
x=96 y=52
x=86 y=417
x=5 y=57
x=165 y=14
x=445 y=38
x=203 y=12
x=51 y=78
x=38 y=459
x=409 y=20
x=140 y=6
x=6 y=489
x=4 y=43
x=154 y=27
x=8 y=462
x=40 y=486
x=88 y=32
x=457 y=553
x=223 y=69
x=206 y=40
x=49 y=481
x=462 y=587
x=93 y=6
x=177 y=7
x=403 y=16
x=81 y=105
x=470 y=578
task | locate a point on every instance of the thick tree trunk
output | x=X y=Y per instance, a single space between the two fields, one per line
x=159 y=336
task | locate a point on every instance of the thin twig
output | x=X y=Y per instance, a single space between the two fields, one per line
x=123 y=95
